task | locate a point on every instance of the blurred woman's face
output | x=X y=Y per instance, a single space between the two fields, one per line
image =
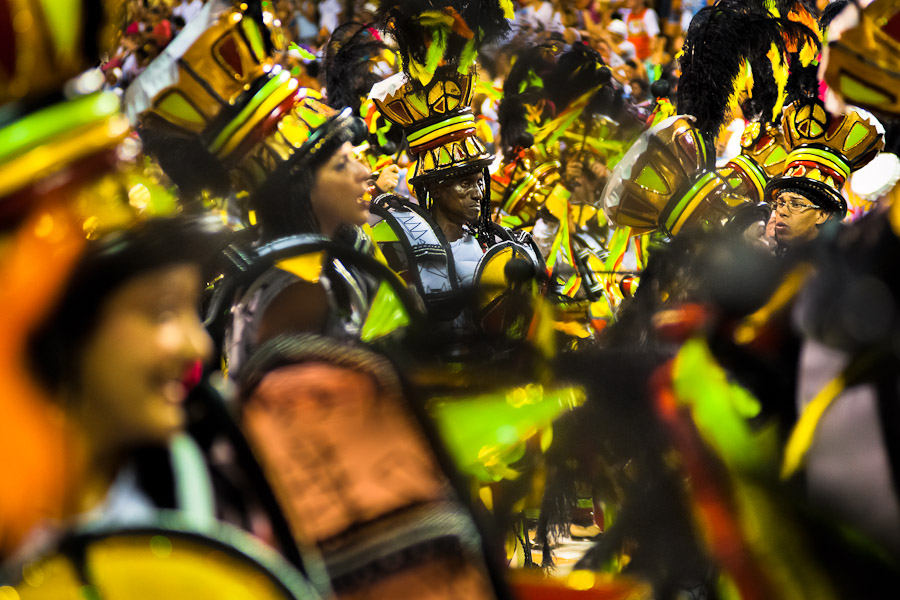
x=134 y=365
x=338 y=192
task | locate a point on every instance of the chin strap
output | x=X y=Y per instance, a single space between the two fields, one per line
x=483 y=228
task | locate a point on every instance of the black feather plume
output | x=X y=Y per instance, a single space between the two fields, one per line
x=524 y=85
x=760 y=105
x=720 y=38
x=348 y=65
x=579 y=70
x=409 y=22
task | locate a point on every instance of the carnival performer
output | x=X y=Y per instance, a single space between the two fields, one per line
x=808 y=195
x=356 y=59
x=105 y=348
x=724 y=41
x=560 y=108
x=345 y=451
x=843 y=446
x=445 y=243
x=285 y=152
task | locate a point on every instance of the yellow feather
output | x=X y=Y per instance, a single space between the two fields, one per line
x=780 y=70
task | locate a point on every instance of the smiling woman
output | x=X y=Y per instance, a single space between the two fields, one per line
x=160 y=309
x=118 y=351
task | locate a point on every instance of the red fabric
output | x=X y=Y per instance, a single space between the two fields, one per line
x=637 y=34
x=162 y=33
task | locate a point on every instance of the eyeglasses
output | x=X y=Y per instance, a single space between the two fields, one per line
x=792 y=205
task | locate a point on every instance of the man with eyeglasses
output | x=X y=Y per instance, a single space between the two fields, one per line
x=825 y=149
x=800 y=215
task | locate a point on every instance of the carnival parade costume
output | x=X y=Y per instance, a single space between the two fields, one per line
x=731 y=423
x=845 y=372
x=362 y=480
x=193 y=109
x=559 y=106
x=431 y=101
x=669 y=187
x=75 y=201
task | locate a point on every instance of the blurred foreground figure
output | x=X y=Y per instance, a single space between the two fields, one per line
x=709 y=329
x=102 y=343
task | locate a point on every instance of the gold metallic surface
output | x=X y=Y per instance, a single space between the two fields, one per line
x=863 y=66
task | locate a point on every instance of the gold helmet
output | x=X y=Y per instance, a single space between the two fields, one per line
x=666 y=181
x=762 y=157
x=825 y=150
x=862 y=61
x=218 y=82
x=438 y=121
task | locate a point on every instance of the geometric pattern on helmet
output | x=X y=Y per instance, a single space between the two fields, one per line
x=825 y=149
x=762 y=156
x=437 y=119
x=217 y=81
x=666 y=181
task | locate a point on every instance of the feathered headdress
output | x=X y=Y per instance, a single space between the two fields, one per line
x=525 y=88
x=431 y=98
x=545 y=82
x=449 y=33
x=348 y=65
x=727 y=42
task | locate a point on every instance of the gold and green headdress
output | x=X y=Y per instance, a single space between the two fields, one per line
x=730 y=44
x=825 y=150
x=762 y=157
x=863 y=63
x=44 y=44
x=559 y=104
x=217 y=84
x=431 y=98
x=63 y=146
x=666 y=181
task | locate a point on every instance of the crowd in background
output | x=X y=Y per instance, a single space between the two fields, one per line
x=639 y=40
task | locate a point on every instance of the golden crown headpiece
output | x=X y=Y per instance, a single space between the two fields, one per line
x=762 y=157
x=825 y=150
x=863 y=62
x=521 y=187
x=437 y=119
x=217 y=81
x=437 y=44
x=666 y=181
x=43 y=44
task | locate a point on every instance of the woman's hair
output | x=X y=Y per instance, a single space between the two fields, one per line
x=282 y=204
x=55 y=347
